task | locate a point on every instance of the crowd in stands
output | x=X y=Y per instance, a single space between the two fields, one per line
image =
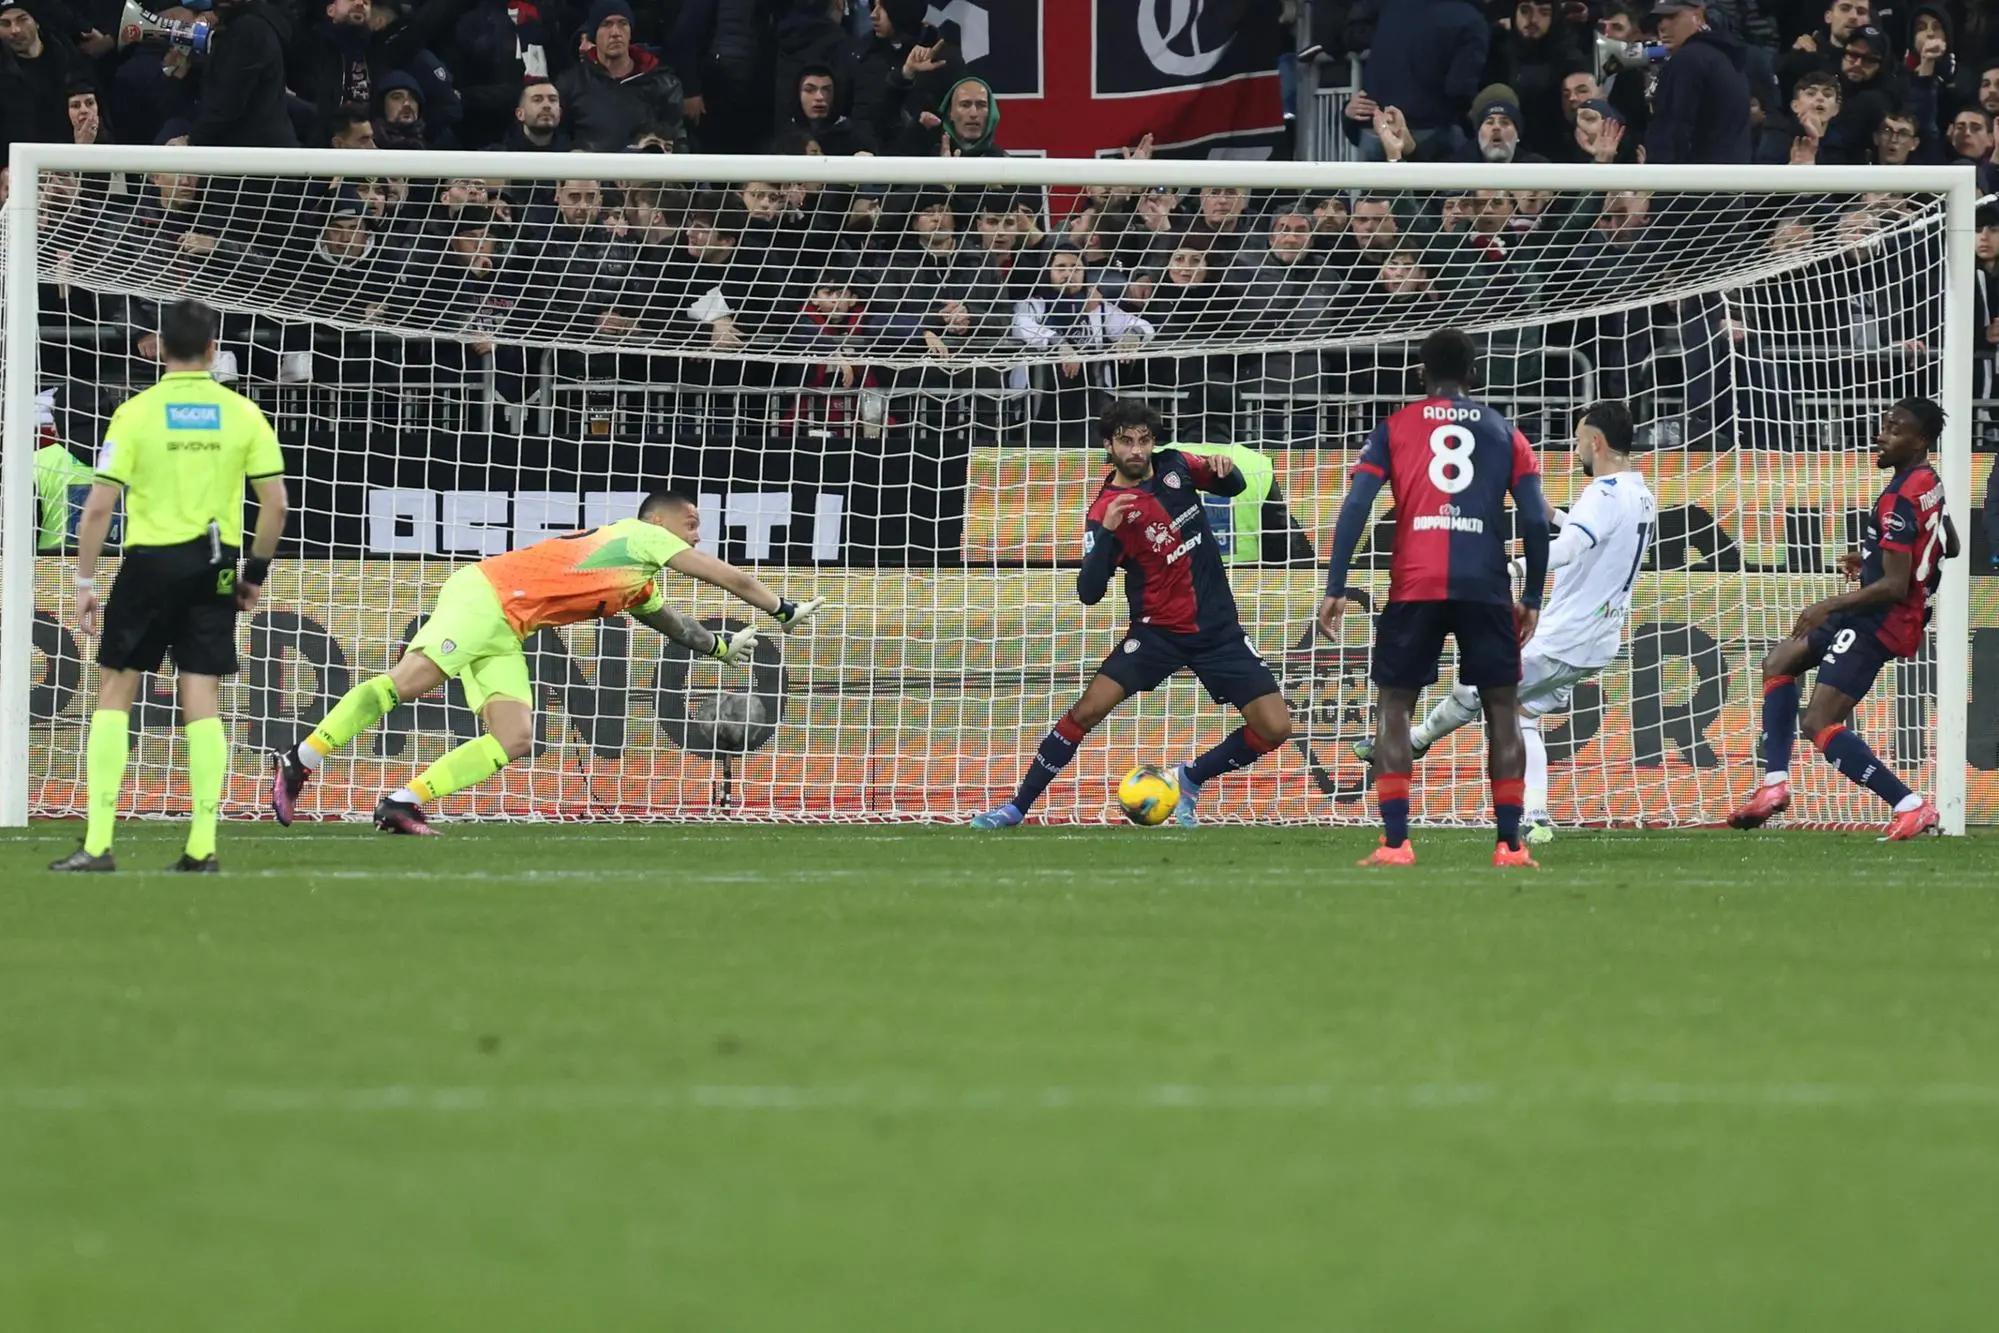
x=1098 y=290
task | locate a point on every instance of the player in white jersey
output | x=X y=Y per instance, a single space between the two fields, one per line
x=1594 y=563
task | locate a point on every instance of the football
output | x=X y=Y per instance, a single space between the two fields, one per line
x=721 y=723
x=1148 y=794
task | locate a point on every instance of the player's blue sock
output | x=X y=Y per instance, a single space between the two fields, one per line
x=1241 y=748
x=1856 y=761
x=1057 y=748
x=1507 y=802
x=1391 y=795
x=1780 y=722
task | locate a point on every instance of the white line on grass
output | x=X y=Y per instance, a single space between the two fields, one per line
x=563 y=1100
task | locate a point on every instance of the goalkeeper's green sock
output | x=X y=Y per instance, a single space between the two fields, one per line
x=207 y=765
x=104 y=774
x=360 y=708
x=472 y=762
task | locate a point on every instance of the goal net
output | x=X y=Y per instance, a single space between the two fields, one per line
x=882 y=379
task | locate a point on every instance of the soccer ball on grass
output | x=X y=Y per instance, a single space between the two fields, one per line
x=1148 y=794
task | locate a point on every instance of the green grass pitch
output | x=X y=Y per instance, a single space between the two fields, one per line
x=524 y=1078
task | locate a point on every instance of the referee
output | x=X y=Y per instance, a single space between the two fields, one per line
x=180 y=452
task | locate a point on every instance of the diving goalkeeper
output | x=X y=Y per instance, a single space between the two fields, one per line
x=483 y=614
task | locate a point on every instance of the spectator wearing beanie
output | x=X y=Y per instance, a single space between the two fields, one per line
x=1700 y=105
x=399 y=117
x=617 y=86
x=1426 y=61
x=495 y=48
x=37 y=66
x=341 y=59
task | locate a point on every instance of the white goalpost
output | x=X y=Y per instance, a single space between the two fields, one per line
x=880 y=377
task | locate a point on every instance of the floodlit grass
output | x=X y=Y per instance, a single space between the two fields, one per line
x=741 y=1078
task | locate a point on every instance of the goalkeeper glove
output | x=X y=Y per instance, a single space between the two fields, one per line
x=792 y=614
x=734 y=649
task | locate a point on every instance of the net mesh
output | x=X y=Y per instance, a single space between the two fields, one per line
x=888 y=397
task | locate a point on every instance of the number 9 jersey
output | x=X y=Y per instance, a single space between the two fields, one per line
x=1449 y=463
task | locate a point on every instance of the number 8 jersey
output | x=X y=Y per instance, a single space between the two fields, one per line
x=1908 y=516
x=1449 y=463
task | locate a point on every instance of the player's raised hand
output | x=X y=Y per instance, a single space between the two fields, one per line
x=1525 y=620
x=1849 y=566
x=1115 y=512
x=1221 y=465
x=1330 y=611
x=793 y=615
x=735 y=649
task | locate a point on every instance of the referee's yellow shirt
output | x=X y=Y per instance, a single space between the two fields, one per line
x=182 y=450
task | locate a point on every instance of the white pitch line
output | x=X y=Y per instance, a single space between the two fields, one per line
x=583 y=1099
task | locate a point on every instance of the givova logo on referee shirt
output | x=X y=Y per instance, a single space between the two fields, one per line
x=194 y=416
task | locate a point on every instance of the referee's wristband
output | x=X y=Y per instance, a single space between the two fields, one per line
x=255 y=571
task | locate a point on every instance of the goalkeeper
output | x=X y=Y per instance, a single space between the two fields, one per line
x=483 y=614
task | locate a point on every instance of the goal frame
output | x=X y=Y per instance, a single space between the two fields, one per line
x=1956 y=185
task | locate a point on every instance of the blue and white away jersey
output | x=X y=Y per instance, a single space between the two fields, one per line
x=1594 y=563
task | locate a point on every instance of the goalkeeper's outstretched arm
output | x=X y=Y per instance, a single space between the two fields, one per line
x=697 y=564
x=698 y=638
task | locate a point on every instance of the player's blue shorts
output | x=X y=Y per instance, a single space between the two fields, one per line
x=1224 y=661
x=1409 y=644
x=1849 y=656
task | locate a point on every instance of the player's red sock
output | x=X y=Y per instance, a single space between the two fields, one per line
x=1391 y=795
x=1241 y=748
x=1508 y=798
x=1856 y=761
x=1057 y=748
x=1780 y=722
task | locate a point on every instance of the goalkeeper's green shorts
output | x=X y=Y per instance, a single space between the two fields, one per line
x=469 y=638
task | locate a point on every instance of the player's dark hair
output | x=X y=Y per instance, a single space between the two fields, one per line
x=1127 y=414
x=1613 y=418
x=659 y=500
x=1449 y=357
x=187 y=329
x=1930 y=418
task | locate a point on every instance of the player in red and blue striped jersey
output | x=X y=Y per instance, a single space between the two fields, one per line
x=1849 y=638
x=1148 y=520
x=1451 y=461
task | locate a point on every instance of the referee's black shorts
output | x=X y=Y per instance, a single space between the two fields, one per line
x=174 y=599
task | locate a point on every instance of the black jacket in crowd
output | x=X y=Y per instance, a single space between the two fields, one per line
x=243 y=103
x=1700 y=106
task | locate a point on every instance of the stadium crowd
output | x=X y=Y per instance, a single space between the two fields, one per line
x=966 y=288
